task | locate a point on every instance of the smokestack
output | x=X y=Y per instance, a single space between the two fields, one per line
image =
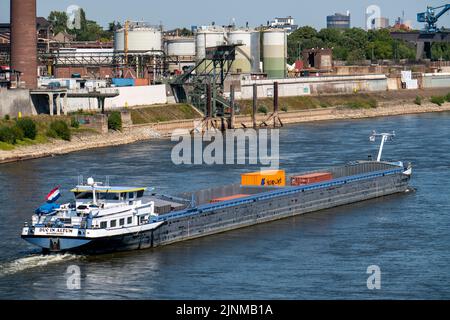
x=24 y=40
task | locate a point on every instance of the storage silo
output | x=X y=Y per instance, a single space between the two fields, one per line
x=275 y=53
x=141 y=37
x=248 y=53
x=181 y=51
x=180 y=47
x=208 y=37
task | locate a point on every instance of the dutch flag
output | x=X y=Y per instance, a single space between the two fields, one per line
x=53 y=195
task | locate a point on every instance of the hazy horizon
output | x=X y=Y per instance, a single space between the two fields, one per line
x=179 y=13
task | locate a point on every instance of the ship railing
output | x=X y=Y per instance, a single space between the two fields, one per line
x=353 y=168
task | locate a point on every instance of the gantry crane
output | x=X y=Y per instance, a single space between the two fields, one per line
x=430 y=17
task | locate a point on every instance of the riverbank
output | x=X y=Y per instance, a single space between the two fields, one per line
x=163 y=129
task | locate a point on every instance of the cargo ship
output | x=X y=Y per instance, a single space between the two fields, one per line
x=106 y=219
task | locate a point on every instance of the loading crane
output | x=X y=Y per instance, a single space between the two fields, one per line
x=430 y=17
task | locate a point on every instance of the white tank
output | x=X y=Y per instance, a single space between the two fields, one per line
x=140 y=38
x=181 y=47
x=248 y=54
x=206 y=38
x=275 y=53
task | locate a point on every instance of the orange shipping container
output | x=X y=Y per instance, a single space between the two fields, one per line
x=270 y=178
x=311 y=178
x=141 y=82
x=236 y=196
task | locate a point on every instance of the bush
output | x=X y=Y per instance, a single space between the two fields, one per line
x=115 y=121
x=284 y=108
x=7 y=135
x=28 y=127
x=59 y=129
x=362 y=104
x=74 y=123
x=18 y=132
x=438 y=100
x=447 y=97
x=263 y=109
x=7 y=117
x=418 y=100
x=373 y=103
x=11 y=134
x=355 y=105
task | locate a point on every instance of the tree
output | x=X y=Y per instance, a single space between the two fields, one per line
x=440 y=51
x=90 y=30
x=355 y=39
x=302 y=38
x=404 y=50
x=305 y=32
x=355 y=56
x=331 y=36
x=58 y=19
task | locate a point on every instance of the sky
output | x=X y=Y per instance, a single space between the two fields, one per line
x=182 y=13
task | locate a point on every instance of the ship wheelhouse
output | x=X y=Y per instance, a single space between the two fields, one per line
x=105 y=203
x=105 y=196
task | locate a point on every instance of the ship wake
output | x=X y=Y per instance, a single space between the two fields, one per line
x=34 y=261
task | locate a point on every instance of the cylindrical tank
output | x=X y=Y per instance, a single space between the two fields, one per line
x=181 y=47
x=24 y=40
x=275 y=53
x=140 y=38
x=248 y=53
x=206 y=38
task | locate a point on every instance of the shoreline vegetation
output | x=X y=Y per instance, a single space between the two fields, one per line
x=45 y=136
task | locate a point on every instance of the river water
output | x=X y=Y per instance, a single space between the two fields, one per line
x=323 y=255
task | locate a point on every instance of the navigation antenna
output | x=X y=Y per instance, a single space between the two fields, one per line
x=384 y=137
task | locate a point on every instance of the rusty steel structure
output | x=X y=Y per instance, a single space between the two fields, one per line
x=24 y=40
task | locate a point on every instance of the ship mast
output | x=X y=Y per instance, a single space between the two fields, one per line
x=384 y=137
x=91 y=182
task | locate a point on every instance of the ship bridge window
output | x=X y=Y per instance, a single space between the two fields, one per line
x=108 y=196
x=140 y=193
x=131 y=195
x=83 y=195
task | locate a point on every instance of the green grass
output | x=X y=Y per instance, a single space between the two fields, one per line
x=163 y=113
x=6 y=146
x=360 y=101
x=84 y=130
x=40 y=139
x=25 y=142
x=361 y=104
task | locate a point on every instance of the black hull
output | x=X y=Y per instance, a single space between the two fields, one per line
x=143 y=240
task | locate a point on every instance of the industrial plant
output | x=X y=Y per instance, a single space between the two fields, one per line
x=208 y=68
